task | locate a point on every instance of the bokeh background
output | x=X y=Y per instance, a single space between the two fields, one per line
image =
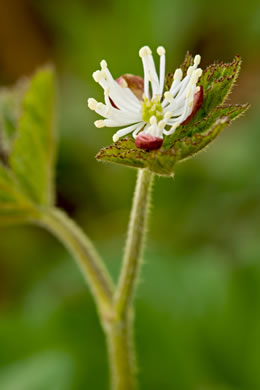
x=198 y=304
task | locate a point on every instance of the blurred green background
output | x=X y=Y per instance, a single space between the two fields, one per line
x=198 y=305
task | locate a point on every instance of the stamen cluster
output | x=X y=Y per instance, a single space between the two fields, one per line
x=156 y=114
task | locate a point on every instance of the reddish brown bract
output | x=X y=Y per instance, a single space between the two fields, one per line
x=148 y=142
x=134 y=83
x=197 y=103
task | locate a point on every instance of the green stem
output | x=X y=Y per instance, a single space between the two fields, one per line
x=121 y=354
x=134 y=245
x=83 y=251
x=120 y=331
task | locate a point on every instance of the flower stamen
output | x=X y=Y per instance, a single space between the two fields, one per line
x=133 y=107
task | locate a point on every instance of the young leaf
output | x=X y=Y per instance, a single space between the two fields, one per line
x=10 y=105
x=14 y=206
x=33 y=155
x=217 y=81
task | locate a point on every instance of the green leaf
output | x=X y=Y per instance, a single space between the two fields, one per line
x=217 y=81
x=10 y=107
x=34 y=150
x=14 y=206
x=27 y=148
x=187 y=141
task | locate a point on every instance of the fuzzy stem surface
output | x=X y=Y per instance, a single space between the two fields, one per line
x=134 y=245
x=120 y=334
x=120 y=343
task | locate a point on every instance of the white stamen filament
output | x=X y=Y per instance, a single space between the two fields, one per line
x=125 y=131
x=161 y=52
x=99 y=124
x=150 y=73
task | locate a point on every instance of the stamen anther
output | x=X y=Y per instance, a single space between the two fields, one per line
x=198 y=72
x=103 y=64
x=161 y=50
x=98 y=76
x=177 y=75
x=115 y=137
x=145 y=51
x=92 y=104
x=99 y=124
x=197 y=59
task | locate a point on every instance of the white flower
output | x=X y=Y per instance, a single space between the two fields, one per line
x=156 y=114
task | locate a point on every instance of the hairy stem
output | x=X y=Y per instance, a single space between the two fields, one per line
x=92 y=267
x=121 y=354
x=120 y=331
x=134 y=245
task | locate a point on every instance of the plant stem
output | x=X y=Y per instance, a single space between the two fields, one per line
x=92 y=267
x=134 y=245
x=120 y=331
x=121 y=354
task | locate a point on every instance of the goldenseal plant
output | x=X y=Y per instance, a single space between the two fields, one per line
x=162 y=121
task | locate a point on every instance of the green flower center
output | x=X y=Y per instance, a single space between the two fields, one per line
x=152 y=108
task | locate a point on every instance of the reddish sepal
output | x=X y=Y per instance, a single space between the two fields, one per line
x=148 y=142
x=134 y=83
x=197 y=103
